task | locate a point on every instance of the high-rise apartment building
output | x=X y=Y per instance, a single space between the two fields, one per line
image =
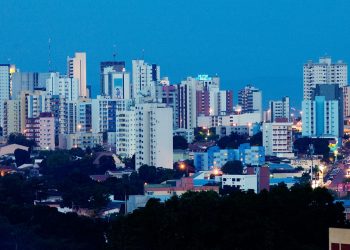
x=346 y=101
x=76 y=68
x=323 y=72
x=169 y=96
x=103 y=114
x=68 y=87
x=116 y=66
x=277 y=138
x=28 y=81
x=154 y=133
x=126 y=133
x=116 y=84
x=279 y=109
x=78 y=118
x=187 y=110
x=41 y=130
x=214 y=102
x=199 y=95
x=5 y=89
x=144 y=78
x=12 y=117
x=250 y=100
x=323 y=115
x=321 y=118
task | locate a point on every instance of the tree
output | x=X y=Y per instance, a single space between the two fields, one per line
x=98 y=148
x=22 y=157
x=77 y=152
x=232 y=167
x=107 y=163
x=148 y=173
x=204 y=134
x=18 y=138
x=88 y=150
x=232 y=141
x=296 y=218
x=130 y=162
x=256 y=140
x=301 y=145
x=179 y=142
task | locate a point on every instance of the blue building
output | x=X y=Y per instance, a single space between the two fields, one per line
x=205 y=160
x=323 y=115
x=216 y=157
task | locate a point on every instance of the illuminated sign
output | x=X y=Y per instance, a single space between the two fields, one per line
x=203 y=78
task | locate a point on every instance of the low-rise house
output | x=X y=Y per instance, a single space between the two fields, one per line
x=252 y=178
x=177 y=187
x=168 y=189
x=11 y=148
x=339 y=238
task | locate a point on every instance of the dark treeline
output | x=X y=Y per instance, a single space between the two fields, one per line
x=280 y=219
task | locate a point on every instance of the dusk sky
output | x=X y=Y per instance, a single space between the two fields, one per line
x=252 y=41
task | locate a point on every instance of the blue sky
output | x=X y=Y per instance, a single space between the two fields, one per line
x=249 y=41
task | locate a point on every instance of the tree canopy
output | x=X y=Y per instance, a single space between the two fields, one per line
x=179 y=142
x=301 y=145
x=232 y=167
x=22 y=157
x=232 y=141
x=18 y=138
x=280 y=219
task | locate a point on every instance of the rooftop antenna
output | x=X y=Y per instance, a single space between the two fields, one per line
x=143 y=54
x=49 y=55
x=114 y=52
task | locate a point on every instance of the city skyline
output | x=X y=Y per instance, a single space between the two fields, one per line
x=237 y=41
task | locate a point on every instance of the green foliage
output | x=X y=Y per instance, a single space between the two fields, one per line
x=256 y=140
x=107 y=163
x=301 y=145
x=232 y=167
x=22 y=157
x=305 y=179
x=56 y=159
x=201 y=134
x=77 y=152
x=18 y=138
x=81 y=191
x=148 y=173
x=232 y=141
x=280 y=219
x=38 y=227
x=98 y=148
x=179 y=142
x=151 y=174
x=130 y=162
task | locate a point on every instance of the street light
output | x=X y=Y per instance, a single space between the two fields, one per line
x=183 y=167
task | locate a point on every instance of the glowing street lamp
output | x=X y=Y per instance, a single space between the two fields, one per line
x=183 y=167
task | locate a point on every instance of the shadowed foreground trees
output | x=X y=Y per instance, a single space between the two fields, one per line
x=281 y=219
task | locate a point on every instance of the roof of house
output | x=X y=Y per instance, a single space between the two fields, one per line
x=99 y=177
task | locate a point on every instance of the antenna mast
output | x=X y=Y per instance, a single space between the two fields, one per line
x=49 y=55
x=114 y=52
